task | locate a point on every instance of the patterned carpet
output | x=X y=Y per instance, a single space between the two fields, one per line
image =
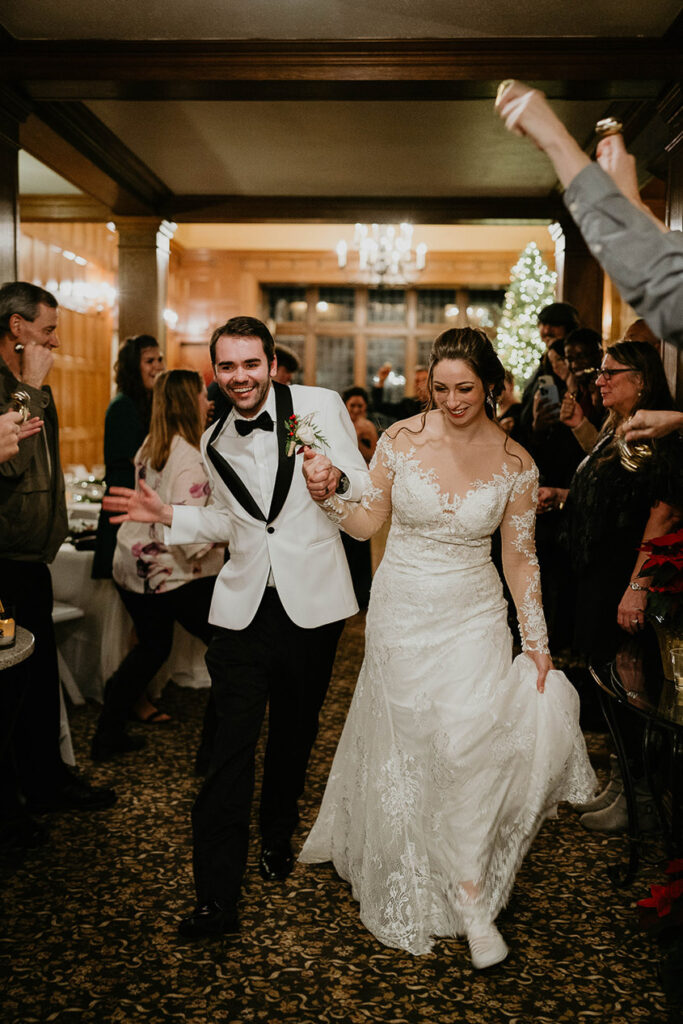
x=89 y=920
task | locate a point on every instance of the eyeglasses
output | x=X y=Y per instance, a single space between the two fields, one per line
x=608 y=374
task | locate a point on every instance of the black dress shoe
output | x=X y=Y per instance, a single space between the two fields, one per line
x=276 y=863
x=210 y=921
x=21 y=830
x=74 y=794
x=106 y=745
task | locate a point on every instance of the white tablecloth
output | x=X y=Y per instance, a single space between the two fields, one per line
x=94 y=646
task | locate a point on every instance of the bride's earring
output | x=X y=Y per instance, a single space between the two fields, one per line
x=490 y=402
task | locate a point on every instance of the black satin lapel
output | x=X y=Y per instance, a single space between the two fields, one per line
x=230 y=477
x=285 y=464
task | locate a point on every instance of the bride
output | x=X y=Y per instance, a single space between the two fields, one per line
x=452 y=754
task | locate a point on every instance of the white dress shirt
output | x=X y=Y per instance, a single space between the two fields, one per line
x=254 y=457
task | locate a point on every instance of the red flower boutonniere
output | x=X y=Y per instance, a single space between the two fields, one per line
x=301 y=430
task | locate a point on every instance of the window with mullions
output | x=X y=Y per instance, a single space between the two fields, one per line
x=380 y=352
x=386 y=306
x=334 y=362
x=485 y=306
x=286 y=304
x=436 y=305
x=336 y=304
x=295 y=344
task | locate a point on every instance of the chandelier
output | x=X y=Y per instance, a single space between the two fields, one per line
x=385 y=254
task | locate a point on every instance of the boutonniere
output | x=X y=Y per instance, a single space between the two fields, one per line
x=301 y=430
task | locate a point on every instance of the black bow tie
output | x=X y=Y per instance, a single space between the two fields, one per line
x=262 y=422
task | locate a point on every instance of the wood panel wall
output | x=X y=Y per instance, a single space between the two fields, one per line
x=81 y=378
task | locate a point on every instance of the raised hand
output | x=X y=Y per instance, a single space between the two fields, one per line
x=322 y=478
x=36 y=363
x=142 y=505
x=620 y=165
x=571 y=413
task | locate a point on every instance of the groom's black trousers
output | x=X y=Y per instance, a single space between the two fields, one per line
x=271 y=663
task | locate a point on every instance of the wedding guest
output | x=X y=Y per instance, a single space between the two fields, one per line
x=33 y=524
x=126 y=423
x=582 y=410
x=509 y=407
x=287 y=364
x=410 y=404
x=639 y=331
x=279 y=606
x=356 y=402
x=452 y=754
x=615 y=502
x=160 y=584
x=358 y=552
x=555 y=321
x=640 y=254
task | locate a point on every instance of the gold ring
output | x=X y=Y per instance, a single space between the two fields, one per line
x=503 y=87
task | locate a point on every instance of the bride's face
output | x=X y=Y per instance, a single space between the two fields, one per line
x=458 y=392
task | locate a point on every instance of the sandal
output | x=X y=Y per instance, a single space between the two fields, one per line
x=156 y=717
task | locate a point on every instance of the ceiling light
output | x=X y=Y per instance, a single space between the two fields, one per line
x=385 y=254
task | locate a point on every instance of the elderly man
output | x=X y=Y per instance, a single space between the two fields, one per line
x=33 y=524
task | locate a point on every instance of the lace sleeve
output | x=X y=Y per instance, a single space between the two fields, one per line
x=360 y=519
x=520 y=563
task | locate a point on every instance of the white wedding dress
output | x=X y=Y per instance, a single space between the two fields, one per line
x=450 y=759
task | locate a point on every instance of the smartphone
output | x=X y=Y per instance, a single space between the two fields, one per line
x=547 y=388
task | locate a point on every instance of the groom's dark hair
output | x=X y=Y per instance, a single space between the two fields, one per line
x=244 y=327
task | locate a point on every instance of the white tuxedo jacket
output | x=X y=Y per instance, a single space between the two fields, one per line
x=294 y=537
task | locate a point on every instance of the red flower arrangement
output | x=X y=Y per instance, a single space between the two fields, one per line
x=664 y=901
x=664 y=568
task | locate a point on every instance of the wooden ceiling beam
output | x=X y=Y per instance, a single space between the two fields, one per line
x=126 y=68
x=369 y=209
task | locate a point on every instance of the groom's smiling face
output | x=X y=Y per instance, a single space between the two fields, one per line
x=243 y=372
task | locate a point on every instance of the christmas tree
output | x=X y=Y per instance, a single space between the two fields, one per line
x=532 y=286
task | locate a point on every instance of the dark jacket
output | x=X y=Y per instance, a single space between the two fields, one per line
x=33 y=519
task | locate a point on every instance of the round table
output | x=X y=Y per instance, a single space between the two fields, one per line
x=23 y=648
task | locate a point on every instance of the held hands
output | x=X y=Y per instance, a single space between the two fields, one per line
x=142 y=505
x=322 y=478
x=544 y=664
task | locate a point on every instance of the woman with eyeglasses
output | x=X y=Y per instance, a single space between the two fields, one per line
x=617 y=499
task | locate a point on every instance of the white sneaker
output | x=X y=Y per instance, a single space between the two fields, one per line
x=487 y=947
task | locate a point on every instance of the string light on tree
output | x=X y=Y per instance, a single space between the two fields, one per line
x=532 y=286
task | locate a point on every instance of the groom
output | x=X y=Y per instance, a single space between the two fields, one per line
x=279 y=604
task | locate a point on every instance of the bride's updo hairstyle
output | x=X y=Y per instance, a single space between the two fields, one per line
x=474 y=348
